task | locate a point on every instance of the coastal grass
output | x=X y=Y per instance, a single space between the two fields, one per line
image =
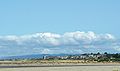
x=52 y=62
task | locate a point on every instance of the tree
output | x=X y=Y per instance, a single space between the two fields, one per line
x=98 y=53
x=91 y=53
x=105 y=53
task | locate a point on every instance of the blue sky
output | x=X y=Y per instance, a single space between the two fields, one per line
x=30 y=16
x=59 y=26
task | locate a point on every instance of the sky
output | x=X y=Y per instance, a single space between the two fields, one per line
x=20 y=18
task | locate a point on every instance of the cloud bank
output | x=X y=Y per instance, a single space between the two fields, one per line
x=51 y=43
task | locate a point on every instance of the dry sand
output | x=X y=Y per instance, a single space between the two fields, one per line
x=73 y=68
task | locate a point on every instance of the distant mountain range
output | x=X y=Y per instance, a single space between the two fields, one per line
x=33 y=56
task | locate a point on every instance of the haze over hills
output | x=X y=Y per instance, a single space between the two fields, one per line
x=34 y=56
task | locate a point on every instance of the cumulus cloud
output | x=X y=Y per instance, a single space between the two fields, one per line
x=69 y=42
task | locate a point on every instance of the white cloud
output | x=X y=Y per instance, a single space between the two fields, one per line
x=47 y=41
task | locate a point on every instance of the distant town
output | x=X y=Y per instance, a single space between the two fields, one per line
x=94 y=57
x=87 y=57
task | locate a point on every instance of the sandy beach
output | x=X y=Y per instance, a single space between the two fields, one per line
x=72 y=67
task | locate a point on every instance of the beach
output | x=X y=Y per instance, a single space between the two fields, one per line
x=81 y=67
x=73 y=68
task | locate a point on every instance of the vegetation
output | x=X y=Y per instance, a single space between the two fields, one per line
x=82 y=58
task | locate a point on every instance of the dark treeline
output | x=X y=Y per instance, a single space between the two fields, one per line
x=95 y=57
